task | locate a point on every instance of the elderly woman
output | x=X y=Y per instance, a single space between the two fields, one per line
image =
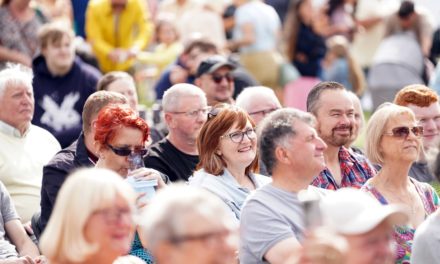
x=227 y=145
x=92 y=221
x=120 y=134
x=394 y=142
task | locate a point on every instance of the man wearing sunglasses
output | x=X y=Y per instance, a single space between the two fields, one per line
x=214 y=76
x=424 y=102
x=330 y=103
x=185 y=111
x=81 y=153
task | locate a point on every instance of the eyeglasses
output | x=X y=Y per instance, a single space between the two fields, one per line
x=403 y=131
x=237 y=137
x=194 y=113
x=264 y=112
x=209 y=236
x=114 y=216
x=126 y=151
x=217 y=78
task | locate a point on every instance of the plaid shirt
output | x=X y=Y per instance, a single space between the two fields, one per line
x=355 y=170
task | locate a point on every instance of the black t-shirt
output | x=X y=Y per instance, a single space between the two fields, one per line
x=167 y=159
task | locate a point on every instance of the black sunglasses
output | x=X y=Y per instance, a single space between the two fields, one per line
x=403 y=131
x=217 y=78
x=124 y=152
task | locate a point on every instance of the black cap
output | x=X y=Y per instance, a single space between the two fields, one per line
x=212 y=64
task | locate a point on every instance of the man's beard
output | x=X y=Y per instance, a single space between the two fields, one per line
x=337 y=140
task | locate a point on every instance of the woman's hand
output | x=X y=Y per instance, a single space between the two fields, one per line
x=145 y=174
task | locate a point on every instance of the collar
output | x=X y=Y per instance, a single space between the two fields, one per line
x=12 y=131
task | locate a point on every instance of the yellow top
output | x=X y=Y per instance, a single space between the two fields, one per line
x=162 y=56
x=134 y=31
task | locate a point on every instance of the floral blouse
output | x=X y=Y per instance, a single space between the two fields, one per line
x=404 y=235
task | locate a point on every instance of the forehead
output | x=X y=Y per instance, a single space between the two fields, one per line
x=191 y=102
x=335 y=100
x=401 y=119
x=121 y=85
x=16 y=87
x=127 y=136
x=425 y=112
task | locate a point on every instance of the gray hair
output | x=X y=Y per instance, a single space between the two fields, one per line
x=276 y=129
x=171 y=97
x=315 y=93
x=169 y=212
x=245 y=98
x=14 y=75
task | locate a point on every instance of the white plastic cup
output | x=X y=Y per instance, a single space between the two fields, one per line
x=147 y=187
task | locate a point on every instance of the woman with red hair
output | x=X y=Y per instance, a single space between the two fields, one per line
x=121 y=134
x=227 y=145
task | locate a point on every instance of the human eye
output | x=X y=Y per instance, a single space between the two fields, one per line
x=236 y=136
x=192 y=113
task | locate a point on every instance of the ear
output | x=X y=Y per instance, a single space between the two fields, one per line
x=169 y=120
x=198 y=82
x=281 y=155
x=218 y=152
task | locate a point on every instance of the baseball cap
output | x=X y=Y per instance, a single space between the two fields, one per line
x=212 y=64
x=350 y=211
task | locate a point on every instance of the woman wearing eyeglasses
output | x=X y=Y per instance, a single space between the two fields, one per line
x=92 y=221
x=227 y=145
x=120 y=136
x=394 y=142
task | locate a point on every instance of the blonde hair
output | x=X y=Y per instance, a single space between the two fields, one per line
x=376 y=127
x=339 y=46
x=84 y=192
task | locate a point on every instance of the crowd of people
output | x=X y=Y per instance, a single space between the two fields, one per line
x=253 y=150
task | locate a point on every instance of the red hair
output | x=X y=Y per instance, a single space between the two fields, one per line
x=208 y=141
x=113 y=117
x=416 y=94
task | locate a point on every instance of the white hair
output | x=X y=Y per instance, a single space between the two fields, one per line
x=171 y=97
x=14 y=75
x=245 y=98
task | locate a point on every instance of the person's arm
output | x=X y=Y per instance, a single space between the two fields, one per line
x=281 y=251
x=14 y=56
x=94 y=32
x=17 y=235
x=247 y=30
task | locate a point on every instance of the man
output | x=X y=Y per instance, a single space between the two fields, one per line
x=359 y=122
x=25 y=148
x=367 y=225
x=62 y=83
x=81 y=153
x=424 y=102
x=117 y=31
x=214 y=77
x=258 y=101
x=186 y=225
x=330 y=103
x=272 y=220
x=15 y=245
x=185 y=111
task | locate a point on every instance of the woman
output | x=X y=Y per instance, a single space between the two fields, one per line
x=19 y=24
x=305 y=45
x=227 y=145
x=394 y=142
x=120 y=82
x=255 y=35
x=119 y=134
x=92 y=221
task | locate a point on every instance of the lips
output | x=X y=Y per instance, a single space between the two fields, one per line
x=245 y=149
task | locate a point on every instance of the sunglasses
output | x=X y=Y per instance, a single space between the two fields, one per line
x=218 y=78
x=403 y=131
x=126 y=151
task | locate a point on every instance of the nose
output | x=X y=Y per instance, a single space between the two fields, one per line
x=320 y=144
x=430 y=125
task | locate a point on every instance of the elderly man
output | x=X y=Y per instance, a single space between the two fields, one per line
x=117 y=30
x=205 y=231
x=272 y=220
x=367 y=225
x=81 y=153
x=62 y=83
x=258 y=101
x=424 y=102
x=185 y=111
x=330 y=103
x=25 y=148
x=214 y=77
